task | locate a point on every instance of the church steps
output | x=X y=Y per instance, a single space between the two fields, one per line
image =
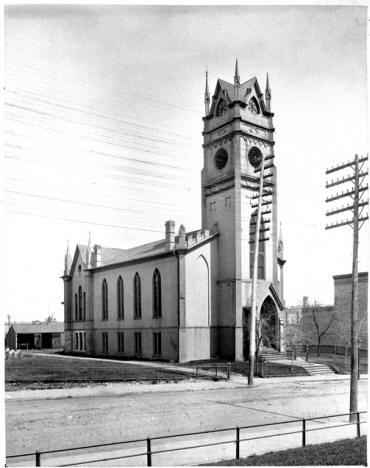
x=273 y=356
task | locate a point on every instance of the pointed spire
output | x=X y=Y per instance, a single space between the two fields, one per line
x=236 y=77
x=88 y=252
x=268 y=94
x=67 y=261
x=206 y=96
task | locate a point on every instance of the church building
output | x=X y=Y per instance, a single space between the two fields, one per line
x=188 y=296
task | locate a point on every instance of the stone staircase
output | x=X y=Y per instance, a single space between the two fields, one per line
x=271 y=355
x=314 y=368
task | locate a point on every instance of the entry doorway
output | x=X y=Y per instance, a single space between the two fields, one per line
x=269 y=325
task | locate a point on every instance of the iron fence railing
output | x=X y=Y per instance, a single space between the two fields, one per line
x=339 y=350
x=146 y=449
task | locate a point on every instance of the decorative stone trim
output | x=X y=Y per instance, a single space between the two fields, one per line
x=219 y=188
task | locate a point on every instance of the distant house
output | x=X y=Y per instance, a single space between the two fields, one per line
x=342 y=305
x=35 y=335
x=329 y=326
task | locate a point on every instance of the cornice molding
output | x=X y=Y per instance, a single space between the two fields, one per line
x=258 y=141
x=241 y=120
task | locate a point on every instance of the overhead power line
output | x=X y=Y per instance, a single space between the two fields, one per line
x=92 y=223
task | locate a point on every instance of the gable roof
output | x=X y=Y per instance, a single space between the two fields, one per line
x=228 y=89
x=43 y=327
x=112 y=256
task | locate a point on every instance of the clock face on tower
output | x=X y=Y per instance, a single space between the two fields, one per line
x=221 y=158
x=255 y=156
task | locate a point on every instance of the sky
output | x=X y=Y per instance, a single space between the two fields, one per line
x=103 y=131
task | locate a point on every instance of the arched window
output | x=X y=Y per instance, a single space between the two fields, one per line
x=76 y=307
x=105 y=300
x=157 y=295
x=120 y=306
x=137 y=296
x=84 y=314
x=261 y=247
x=253 y=106
x=221 y=108
x=79 y=303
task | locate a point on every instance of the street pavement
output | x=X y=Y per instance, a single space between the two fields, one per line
x=65 y=418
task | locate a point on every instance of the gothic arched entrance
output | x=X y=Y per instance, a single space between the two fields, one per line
x=269 y=324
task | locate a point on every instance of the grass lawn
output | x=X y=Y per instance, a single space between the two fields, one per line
x=342 y=452
x=35 y=371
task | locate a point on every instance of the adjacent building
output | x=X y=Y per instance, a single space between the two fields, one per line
x=35 y=335
x=329 y=325
x=188 y=296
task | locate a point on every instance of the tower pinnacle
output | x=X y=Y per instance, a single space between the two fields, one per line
x=236 y=77
x=268 y=94
x=281 y=244
x=67 y=261
x=206 y=96
x=88 y=252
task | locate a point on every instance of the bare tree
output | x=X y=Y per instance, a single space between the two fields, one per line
x=317 y=321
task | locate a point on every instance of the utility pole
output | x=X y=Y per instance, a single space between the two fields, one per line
x=357 y=205
x=257 y=239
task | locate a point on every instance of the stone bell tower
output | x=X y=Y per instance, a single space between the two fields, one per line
x=238 y=129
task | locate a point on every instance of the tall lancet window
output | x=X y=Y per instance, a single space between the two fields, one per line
x=137 y=296
x=120 y=303
x=79 y=303
x=84 y=314
x=221 y=108
x=157 y=295
x=261 y=247
x=104 y=300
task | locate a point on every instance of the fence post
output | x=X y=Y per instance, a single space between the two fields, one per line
x=216 y=370
x=148 y=453
x=89 y=372
x=38 y=458
x=237 y=454
x=114 y=374
x=228 y=370
x=358 y=424
x=303 y=433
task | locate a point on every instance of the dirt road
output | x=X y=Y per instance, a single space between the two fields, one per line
x=69 y=422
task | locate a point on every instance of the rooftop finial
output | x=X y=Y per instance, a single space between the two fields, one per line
x=206 y=96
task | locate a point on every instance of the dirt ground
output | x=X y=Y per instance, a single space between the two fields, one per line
x=47 y=424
